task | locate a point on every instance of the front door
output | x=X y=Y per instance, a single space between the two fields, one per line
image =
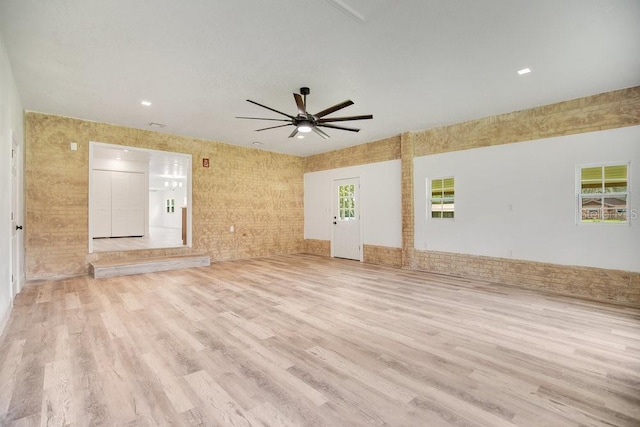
x=346 y=219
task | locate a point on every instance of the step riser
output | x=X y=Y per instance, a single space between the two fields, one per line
x=148 y=267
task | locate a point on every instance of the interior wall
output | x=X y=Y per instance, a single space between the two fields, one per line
x=172 y=219
x=11 y=120
x=519 y=201
x=260 y=193
x=379 y=200
x=156 y=205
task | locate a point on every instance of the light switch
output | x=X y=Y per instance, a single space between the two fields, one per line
x=74 y=146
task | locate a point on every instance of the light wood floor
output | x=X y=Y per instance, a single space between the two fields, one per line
x=304 y=340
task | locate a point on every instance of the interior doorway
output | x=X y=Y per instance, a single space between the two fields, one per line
x=157 y=216
x=346 y=240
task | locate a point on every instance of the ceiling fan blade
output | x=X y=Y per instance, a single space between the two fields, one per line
x=326 y=125
x=344 y=119
x=273 y=127
x=300 y=103
x=294 y=133
x=263 y=118
x=320 y=132
x=334 y=108
x=269 y=108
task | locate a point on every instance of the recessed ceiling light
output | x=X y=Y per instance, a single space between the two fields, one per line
x=146 y=103
x=524 y=71
x=257 y=143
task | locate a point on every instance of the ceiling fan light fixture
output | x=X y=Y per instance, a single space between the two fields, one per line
x=304 y=127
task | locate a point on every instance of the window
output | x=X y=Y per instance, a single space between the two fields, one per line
x=604 y=194
x=442 y=195
x=346 y=202
x=171 y=205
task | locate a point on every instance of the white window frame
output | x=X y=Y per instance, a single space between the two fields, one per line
x=627 y=194
x=430 y=201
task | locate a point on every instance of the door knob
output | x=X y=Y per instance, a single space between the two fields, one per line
x=334 y=223
x=18 y=227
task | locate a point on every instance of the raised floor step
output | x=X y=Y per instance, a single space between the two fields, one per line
x=126 y=267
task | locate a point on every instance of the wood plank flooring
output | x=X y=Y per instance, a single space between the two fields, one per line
x=303 y=341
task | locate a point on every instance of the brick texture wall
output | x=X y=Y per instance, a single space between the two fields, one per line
x=373 y=152
x=383 y=255
x=259 y=192
x=317 y=247
x=599 y=112
x=611 y=285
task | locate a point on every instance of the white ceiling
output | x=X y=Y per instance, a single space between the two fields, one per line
x=412 y=64
x=163 y=165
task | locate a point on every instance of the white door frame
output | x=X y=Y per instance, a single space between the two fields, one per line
x=360 y=212
x=16 y=263
x=188 y=158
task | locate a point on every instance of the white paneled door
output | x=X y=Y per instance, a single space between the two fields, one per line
x=119 y=200
x=101 y=203
x=346 y=241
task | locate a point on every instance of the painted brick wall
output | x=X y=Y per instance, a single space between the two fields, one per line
x=258 y=192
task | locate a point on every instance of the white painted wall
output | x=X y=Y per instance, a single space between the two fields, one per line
x=11 y=119
x=380 y=202
x=174 y=219
x=155 y=208
x=537 y=179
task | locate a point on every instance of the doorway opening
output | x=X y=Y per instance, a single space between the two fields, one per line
x=129 y=191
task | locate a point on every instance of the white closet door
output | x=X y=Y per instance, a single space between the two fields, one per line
x=137 y=201
x=119 y=204
x=101 y=203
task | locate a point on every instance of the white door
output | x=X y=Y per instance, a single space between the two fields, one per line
x=15 y=226
x=101 y=221
x=346 y=219
x=119 y=204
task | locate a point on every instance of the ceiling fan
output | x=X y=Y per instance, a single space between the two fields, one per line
x=305 y=122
